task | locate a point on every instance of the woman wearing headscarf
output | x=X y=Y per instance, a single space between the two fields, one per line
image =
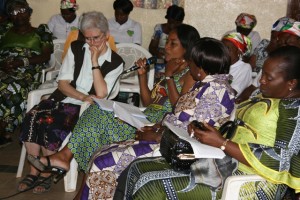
x=24 y=52
x=245 y=24
x=61 y=24
x=239 y=46
x=121 y=27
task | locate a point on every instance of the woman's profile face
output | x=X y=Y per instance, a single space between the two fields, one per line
x=94 y=37
x=272 y=82
x=173 y=47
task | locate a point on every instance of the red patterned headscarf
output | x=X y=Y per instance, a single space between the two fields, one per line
x=66 y=4
x=246 y=20
x=242 y=42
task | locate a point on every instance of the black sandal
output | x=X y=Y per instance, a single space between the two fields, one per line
x=42 y=185
x=29 y=181
x=35 y=161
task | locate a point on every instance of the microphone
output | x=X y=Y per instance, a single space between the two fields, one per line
x=149 y=61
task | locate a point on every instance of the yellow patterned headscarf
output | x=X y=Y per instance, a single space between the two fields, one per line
x=246 y=20
x=66 y=4
x=242 y=42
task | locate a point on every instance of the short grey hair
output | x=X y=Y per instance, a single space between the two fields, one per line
x=93 y=19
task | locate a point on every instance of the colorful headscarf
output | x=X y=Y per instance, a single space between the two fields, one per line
x=246 y=20
x=293 y=29
x=66 y=4
x=242 y=42
x=281 y=22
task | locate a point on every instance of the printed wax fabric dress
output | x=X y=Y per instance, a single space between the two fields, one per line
x=269 y=142
x=217 y=99
x=97 y=127
x=14 y=86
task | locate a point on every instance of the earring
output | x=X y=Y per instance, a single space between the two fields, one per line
x=198 y=74
x=290 y=89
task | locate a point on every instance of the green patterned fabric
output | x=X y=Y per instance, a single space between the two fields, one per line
x=14 y=87
x=97 y=127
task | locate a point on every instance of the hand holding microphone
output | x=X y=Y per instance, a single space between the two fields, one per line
x=141 y=64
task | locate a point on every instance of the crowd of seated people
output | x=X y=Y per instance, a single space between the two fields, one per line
x=204 y=79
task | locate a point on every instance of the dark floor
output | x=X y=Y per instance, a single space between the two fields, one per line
x=9 y=159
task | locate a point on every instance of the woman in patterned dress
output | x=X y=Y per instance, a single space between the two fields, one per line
x=24 y=51
x=265 y=142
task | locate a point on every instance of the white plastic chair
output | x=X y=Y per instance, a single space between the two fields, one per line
x=130 y=53
x=70 y=180
x=55 y=61
x=233 y=185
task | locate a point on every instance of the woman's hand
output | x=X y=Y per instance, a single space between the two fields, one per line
x=88 y=98
x=96 y=51
x=209 y=136
x=142 y=63
x=175 y=65
x=150 y=133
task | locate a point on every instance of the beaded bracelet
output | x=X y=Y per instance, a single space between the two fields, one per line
x=25 y=61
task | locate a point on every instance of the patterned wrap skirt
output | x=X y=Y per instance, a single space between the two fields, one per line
x=49 y=123
x=145 y=175
x=107 y=164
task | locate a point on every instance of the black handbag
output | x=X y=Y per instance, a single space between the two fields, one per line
x=179 y=153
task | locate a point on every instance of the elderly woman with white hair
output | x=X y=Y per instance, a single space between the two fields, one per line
x=89 y=69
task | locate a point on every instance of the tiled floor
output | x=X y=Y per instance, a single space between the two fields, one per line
x=9 y=159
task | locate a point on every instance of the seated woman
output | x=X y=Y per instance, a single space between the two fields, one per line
x=62 y=24
x=270 y=151
x=80 y=78
x=121 y=27
x=97 y=127
x=238 y=46
x=245 y=24
x=24 y=51
x=204 y=102
x=175 y=16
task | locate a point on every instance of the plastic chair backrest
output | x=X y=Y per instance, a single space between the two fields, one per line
x=56 y=56
x=130 y=53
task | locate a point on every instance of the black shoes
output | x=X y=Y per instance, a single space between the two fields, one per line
x=57 y=172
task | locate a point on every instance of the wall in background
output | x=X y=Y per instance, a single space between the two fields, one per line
x=211 y=18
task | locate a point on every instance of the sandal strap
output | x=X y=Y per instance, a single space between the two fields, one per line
x=48 y=161
x=44 y=182
x=29 y=180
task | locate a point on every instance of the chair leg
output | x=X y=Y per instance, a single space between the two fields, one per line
x=70 y=180
x=21 y=161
